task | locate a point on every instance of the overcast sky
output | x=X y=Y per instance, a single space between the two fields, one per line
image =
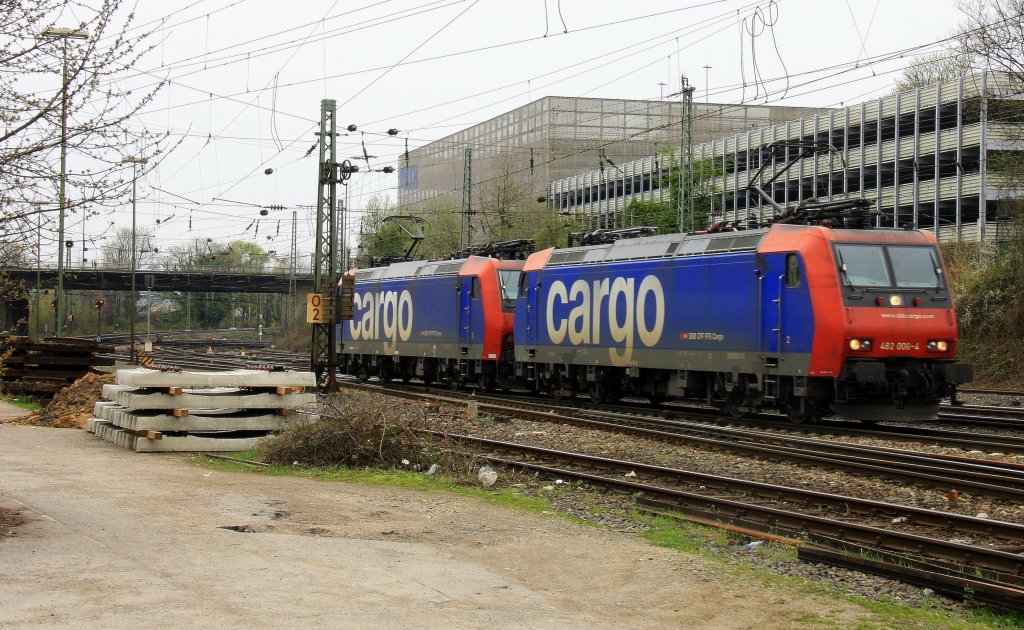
x=247 y=78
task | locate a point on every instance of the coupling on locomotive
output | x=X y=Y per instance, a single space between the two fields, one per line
x=807 y=319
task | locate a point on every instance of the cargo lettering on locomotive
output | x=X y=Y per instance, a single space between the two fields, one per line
x=624 y=305
x=385 y=315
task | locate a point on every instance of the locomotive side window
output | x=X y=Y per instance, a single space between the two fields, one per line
x=916 y=267
x=792 y=271
x=523 y=285
x=474 y=288
x=862 y=266
x=509 y=279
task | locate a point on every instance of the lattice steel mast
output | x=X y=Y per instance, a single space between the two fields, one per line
x=323 y=347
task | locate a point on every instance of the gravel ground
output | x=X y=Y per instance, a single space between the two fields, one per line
x=991 y=400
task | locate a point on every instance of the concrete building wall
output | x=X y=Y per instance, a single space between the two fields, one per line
x=555 y=137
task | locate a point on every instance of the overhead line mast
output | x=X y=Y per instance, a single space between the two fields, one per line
x=323 y=346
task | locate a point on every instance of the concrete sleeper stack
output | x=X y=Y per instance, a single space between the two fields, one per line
x=155 y=411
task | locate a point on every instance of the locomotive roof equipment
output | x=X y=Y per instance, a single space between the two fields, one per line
x=517 y=249
x=413 y=228
x=603 y=237
x=844 y=213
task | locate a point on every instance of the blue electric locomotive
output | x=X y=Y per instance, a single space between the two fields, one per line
x=446 y=321
x=806 y=319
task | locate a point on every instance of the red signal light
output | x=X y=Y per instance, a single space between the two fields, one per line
x=100 y=302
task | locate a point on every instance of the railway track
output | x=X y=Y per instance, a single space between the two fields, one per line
x=841 y=528
x=982 y=477
x=993 y=392
x=983 y=415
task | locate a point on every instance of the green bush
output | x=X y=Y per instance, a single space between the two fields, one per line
x=988 y=285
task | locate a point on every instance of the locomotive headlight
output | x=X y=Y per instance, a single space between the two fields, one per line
x=860 y=345
x=895 y=300
x=938 y=345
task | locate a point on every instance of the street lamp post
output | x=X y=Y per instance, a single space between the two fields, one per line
x=65 y=34
x=134 y=161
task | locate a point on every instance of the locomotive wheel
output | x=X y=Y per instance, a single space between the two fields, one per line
x=732 y=405
x=656 y=399
x=558 y=391
x=797 y=415
x=486 y=384
x=598 y=393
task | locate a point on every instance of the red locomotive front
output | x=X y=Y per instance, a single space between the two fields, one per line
x=885 y=328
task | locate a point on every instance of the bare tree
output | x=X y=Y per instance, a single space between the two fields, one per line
x=990 y=37
x=117 y=249
x=52 y=71
x=503 y=195
x=934 y=68
x=993 y=33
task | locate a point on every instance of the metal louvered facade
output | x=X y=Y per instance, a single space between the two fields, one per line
x=921 y=157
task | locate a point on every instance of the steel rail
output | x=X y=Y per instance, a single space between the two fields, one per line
x=991 y=391
x=957 y=584
x=1006 y=567
x=948 y=472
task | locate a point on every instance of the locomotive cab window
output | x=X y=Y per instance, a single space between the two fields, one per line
x=916 y=267
x=862 y=266
x=509 y=280
x=474 y=288
x=523 y=285
x=889 y=266
x=792 y=271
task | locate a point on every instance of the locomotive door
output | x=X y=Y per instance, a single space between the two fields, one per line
x=773 y=282
x=781 y=277
x=531 y=291
x=468 y=289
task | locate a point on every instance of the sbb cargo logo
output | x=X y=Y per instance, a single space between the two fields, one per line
x=631 y=312
x=384 y=316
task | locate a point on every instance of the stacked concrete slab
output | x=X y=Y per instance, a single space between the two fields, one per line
x=152 y=410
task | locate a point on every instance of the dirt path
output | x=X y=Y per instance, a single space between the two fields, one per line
x=7 y=411
x=120 y=539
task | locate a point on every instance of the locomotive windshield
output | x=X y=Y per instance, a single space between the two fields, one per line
x=863 y=266
x=916 y=267
x=888 y=266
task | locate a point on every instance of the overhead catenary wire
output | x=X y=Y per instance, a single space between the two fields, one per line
x=775 y=95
